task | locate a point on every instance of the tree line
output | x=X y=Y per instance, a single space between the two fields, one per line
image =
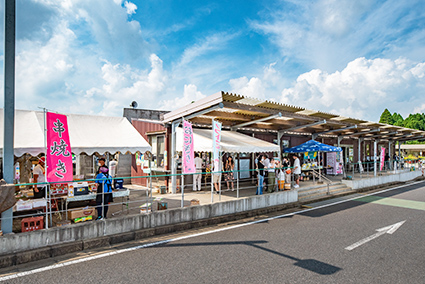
x=413 y=121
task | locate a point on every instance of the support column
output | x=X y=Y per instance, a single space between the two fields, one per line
x=389 y=154
x=374 y=157
x=9 y=106
x=339 y=140
x=279 y=142
x=359 y=155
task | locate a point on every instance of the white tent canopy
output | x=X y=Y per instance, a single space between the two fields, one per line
x=88 y=133
x=231 y=141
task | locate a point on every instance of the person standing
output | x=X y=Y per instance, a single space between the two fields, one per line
x=266 y=163
x=260 y=166
x=297 y=171
x=39 y=175
x=104 y=192
x=101 y=163
x=229 y=167
x=197 y=178
x=271 y=169
x=216 y=176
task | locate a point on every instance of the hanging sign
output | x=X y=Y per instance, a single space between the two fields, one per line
x=216 y=137
x=58 y=154
x=188 y=153
x=310 y=155
x=382 y=158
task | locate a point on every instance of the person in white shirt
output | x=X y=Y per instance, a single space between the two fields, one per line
x=197 y=178
x=39 y=174
x=297 y=171
x=266 y=163
x=271 y=169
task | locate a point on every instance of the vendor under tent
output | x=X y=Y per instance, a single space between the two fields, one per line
x=231 y=141
x=88 y=134
x=312 y=146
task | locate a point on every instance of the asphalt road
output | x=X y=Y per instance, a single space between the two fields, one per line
x=306 y=247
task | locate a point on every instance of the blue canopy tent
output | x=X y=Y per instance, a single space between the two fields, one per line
x=312 y=146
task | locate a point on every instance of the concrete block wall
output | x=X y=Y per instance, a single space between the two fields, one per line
x=93 y=230
x=381 y=180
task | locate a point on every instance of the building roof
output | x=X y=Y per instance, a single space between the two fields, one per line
x=87 y=133
x=240 y=112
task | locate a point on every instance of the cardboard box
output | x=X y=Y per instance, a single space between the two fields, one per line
x=38 y=203
x=22 y=205
x=79 y=213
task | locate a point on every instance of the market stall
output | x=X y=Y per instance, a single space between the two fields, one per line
x=88 y=134
x=239 y=145
x=312 y=159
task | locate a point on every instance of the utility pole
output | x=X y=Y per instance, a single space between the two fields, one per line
x=9 y=105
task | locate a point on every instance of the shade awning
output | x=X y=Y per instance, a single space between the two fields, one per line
x=312 y=146
x=88 y=134
x=231 y=141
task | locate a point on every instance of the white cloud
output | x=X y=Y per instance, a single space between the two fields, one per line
x=190 y=94
x=131 y=7
x=265 y=86
x=362 y=90
x=124 y=84
x=327 y=34
x=210 y=43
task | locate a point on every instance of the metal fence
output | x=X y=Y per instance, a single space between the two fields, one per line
x=58 y=207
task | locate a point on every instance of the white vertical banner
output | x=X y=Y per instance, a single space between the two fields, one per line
x=216 y=137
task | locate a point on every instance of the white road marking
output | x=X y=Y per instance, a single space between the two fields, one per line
x=64 y=264
x=386 y=230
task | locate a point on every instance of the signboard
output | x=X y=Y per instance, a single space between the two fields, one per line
x=188 y=153
x=216 y=137
x=58 y=154
x=382 y=158
x=310 y=155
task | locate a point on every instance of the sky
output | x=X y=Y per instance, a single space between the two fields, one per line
x=352 y=58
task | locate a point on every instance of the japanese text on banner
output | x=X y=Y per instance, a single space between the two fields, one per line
x=58 y=154
x=216 y=136
x=188 y=155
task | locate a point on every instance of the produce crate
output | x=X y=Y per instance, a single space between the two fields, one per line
x=32 y=224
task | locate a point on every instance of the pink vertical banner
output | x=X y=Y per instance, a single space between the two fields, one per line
x=216 y=136
x=58 y=154
x=382 y=158
x=188 y=151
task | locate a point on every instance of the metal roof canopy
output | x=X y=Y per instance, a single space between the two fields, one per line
x=251 y=114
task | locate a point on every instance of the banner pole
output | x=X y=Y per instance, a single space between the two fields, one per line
x=46 y=165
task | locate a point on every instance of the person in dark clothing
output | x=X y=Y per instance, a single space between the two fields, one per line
x=101 y=163
x=260 y=166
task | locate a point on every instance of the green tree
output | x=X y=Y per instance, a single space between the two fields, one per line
x=386 y=117
x=415 y=121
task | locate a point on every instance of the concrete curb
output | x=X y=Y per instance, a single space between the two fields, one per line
x=66 y=248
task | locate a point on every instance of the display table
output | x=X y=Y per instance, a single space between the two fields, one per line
x=92 y=196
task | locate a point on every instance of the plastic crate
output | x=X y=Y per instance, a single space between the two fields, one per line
x=32 y=224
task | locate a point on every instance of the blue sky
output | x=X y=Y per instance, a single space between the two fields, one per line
x=352 y=58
